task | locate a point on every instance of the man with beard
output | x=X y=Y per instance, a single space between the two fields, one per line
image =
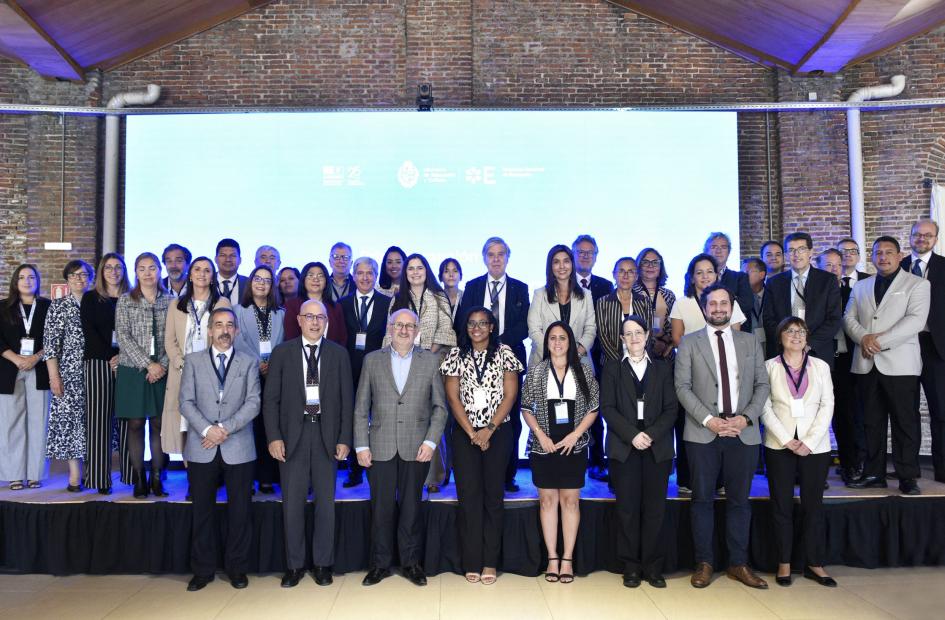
x=722 y=383
x=176 y=259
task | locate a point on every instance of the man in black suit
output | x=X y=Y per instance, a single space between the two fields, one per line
x=508 y=300
x=585 y=250
x=308 y=407
x=925 y=263
x=772 y=256
x=805 y=292
x=365 y=313
x=230 y=284
x=719 y=246
x=176 y=259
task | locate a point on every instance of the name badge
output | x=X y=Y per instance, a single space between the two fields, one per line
x=797 y=408
x=639 y=409
x=199 y=344
x=561 y=413
x=114 y=339
x=151 y=348
x=480 y=401
x=657 y=323
x=265 y=348
x=360 y=341
x=27 y=346
x=311 y=395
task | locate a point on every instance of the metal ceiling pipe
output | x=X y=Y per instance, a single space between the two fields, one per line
x=855 y=154
x=112 y=135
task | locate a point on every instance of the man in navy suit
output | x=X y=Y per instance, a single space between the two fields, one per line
x=719 y=246
x=925 y=263
x=365 y=313
x=230 y=283
x=508 y=299
x=805 y=292
x=585 y=250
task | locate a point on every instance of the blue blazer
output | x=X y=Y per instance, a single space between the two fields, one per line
x=516 y=311
x=247 y=341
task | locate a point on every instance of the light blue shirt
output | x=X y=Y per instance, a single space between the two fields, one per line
x=400 y=366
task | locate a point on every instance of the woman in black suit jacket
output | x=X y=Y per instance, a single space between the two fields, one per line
x=638 y=401
x=24 y=382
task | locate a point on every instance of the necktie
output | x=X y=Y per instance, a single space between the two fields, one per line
x=362 y=317
x=494 y=297
x=846 y=281
x=227 y=289
x=584 y=283
x=221 y=373
x=797 y=306
x=311 y=378
x=917 y=267
x=723 y=363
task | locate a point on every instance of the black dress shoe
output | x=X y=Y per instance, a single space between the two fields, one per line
x=239 y=581
x=824 y=581
x=656 y=581
x=631 y=579
x=199 y=582
x=415 y=575
x=266 y=488
x=375 y=576
x=291 y=577
x=74 y=488
x=783 y=581
x=157 y=487
x=322 y=575
x=511 y=487
x=848 y=475
x=140 y=485
x=868 y=482
x=105 y=491
x=908 y=486
x=352 y=481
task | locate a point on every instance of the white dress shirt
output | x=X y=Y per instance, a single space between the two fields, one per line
x=357 y=305
x=732 y=363
x=234 y=280
x=923 y=262
x=487 y=302
x=318 y=356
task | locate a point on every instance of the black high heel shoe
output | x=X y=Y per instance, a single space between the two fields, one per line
x=140 y=484
x=157 y=487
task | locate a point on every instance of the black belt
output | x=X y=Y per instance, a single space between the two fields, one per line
x=311 y=417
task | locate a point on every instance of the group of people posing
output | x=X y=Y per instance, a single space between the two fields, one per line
x=281 y=375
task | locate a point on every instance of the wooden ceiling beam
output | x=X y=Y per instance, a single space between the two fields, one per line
x=31 y=44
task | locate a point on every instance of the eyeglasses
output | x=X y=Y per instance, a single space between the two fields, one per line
x=259 y=280
x=311 y=318
x=586 y=253
x=634 y=334
x=479 y=324
x=651 y=262
x=343 y=257
x=850 y=251
x=78 y=275
x=793 y=251
x=117 y=268
x=402 y=326
x=796 y=332
x=925 y=236
x=626 y=272
x=315 y=276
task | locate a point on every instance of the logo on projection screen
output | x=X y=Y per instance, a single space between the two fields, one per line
x=408 y=175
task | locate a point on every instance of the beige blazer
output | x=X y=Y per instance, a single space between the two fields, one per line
x=175 y=335
x=814 y=428
x=541 y=314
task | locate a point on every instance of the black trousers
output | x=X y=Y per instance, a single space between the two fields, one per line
x=640 y=486
x=310 y=465
x=933 y=382
x=784 y=467
x=480 y=488
x=737 y=463
x=847 y=414
x=888 y=398
x=203 y=478
x=396 y=484
x=267 y=468
x=683 y=478
x=515 y=419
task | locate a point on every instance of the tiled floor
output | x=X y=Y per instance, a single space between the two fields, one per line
x=863 y=594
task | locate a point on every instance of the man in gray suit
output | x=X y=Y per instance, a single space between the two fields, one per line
x=399 y=416
x=722 y=383
x=219 y=397
x=307 y=410
x=883 y=317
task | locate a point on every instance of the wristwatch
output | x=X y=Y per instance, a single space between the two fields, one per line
x=747 y=419
x=490 y=426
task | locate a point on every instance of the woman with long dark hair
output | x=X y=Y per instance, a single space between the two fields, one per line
x=420 y=292
x=101 y=363
x=481 y=381
x=64 y=345
x=559 y=404
x=392 y=266
x=313 y=284
x=24 y=382
x=450 y=275
x=140 y=320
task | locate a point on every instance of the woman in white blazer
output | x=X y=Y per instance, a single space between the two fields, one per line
x=797 y=445
x=561 y=299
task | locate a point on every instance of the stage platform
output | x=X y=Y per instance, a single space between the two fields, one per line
x=49 y=530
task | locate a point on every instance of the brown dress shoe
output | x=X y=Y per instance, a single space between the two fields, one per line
x=746 y=576
x=703 y=575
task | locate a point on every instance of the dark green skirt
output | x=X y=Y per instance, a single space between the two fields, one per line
x=135 y=397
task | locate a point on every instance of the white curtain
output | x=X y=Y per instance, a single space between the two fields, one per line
x=937 y=213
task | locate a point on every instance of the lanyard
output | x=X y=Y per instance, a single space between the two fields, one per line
x=363 y=309
x=27 y=321
x=198 y=317
x=560 y=383
x=480 y=372
x=414 y=306
x=344 y=290
x=216 y=368
x=263 y=317
x=800 y=377
x=799 y=292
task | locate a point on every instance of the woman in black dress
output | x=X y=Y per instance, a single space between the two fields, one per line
x=559 y=404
